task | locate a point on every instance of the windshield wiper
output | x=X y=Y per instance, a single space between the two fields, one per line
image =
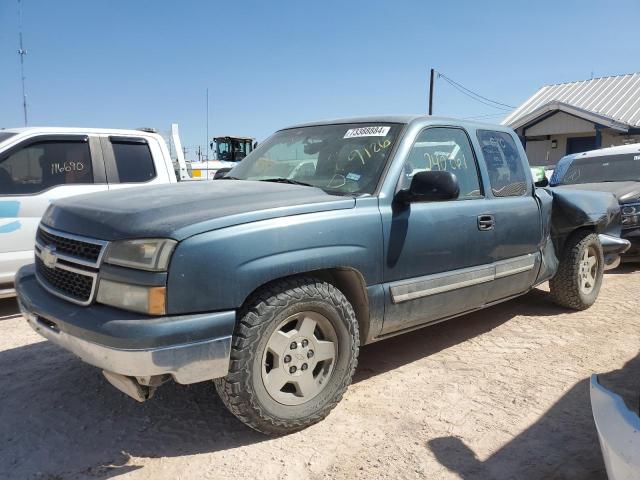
x=286 y=180
x=228 y=178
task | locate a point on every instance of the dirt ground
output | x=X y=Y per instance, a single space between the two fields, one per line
x=502 y=393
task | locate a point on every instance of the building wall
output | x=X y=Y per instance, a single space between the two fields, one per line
x=560 y=127
x=540 y=152
x=558 y=124
x=611 y=138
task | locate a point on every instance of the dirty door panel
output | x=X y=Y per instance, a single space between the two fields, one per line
x=432 y=251
x=437 y=254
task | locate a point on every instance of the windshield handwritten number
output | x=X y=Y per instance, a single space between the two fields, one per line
x=356 y=154
x=440 y=161
x=375 y=146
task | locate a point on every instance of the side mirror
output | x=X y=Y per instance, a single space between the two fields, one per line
x=431 y=186
x=543 y=182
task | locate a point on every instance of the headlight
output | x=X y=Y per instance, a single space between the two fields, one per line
x=151 y=300
x=630 y=215
x=148 y=254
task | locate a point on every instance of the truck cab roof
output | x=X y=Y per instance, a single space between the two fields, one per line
x=73 y=130
x=22 y=132
x=407 y=119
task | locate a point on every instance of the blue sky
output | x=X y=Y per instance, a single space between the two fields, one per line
x=269 y=64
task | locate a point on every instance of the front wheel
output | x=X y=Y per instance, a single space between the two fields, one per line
x=293 y=355
x=579 y=277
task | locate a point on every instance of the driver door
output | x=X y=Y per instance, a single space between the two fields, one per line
x=437 y=254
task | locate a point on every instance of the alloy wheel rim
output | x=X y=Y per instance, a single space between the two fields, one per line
x=588 y=270
x=299 y=358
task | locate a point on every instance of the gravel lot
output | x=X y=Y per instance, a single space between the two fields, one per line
x=502 y=393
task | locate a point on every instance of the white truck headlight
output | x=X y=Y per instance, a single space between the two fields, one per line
x=137 y=298
x=151 y=254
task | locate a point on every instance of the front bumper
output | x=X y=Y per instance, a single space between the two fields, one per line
x=618 y=432
x=612 y=248
x=190 y=348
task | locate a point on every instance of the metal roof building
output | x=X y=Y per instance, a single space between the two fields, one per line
x=578 y=116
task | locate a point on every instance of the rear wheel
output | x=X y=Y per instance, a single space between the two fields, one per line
x=294 y=352
x=577 y=283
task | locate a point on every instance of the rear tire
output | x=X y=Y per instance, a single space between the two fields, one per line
x=293 y=355
x=579 y=277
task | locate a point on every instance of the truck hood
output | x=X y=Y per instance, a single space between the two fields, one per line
x=181 y=210
x=625 y=192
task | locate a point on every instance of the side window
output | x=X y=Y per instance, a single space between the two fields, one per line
x=133 y=161
x=504 y=164
x=43 y=165
x=444 y=149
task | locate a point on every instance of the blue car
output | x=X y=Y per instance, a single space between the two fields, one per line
x=326 y=237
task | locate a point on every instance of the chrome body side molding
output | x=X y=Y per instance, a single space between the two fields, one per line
x=406 y=290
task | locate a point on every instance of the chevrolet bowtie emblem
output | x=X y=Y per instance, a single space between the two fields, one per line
x=48 y=256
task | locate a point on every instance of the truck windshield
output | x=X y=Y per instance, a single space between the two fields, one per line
x=343 y=158
x=606 y=168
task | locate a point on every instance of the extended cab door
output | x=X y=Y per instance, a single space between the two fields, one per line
x=438 y=255
x=34 y=172
x=514 y=212
x=133 y=161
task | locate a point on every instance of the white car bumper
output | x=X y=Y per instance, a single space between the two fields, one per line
x=10 y=263
x=618 y=432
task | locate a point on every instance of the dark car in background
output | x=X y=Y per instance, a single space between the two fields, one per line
x=615 y=170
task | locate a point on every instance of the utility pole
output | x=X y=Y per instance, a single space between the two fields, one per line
x=431 y=92
x=22 y=52
x=206 y=144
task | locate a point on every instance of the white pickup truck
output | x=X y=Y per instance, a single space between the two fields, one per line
x=38 y=165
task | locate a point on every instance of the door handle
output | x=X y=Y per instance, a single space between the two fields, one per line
x=486 y=222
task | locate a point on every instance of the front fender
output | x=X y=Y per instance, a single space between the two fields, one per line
x=218 y=270
x=573 y=209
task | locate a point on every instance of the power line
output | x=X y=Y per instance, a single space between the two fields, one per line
x=476 y=96
x=488 y=115
x=450 y=80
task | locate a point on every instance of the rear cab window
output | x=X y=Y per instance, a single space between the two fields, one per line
x=505 y=166
x=40 y=165
x=133 y=159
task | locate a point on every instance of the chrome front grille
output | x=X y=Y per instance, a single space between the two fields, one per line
x=72 y=284
x=67 y=264
x=73 y=248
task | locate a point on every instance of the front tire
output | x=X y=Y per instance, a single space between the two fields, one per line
x=579 y=277
x=293 y=355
